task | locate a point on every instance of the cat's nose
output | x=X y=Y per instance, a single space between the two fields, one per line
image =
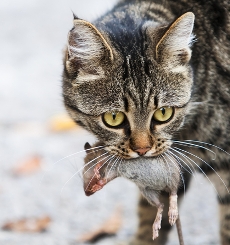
x=142 y=151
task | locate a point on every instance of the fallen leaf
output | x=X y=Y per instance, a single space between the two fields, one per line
x=62 y=123
x=28 y=166
x=109 y=228
x=28 y=225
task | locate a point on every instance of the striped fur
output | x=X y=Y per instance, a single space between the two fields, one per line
x=140 y=56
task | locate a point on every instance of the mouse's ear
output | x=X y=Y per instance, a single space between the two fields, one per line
x=87 y=146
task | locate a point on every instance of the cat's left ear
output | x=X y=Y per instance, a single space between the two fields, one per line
x=173 y=49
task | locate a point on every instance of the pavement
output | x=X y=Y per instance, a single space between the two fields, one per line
x=32 y=36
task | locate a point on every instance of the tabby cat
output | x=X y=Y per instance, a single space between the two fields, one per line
x=149 y=81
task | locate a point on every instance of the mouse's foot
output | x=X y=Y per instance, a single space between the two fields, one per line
x=173 y=209
x=157 y=221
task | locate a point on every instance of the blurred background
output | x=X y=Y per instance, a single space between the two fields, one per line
x=41 y=195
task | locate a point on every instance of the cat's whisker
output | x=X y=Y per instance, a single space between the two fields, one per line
x=80 y=170
x=110 y=158
x=207 y=165
x=164 y=160
x=175 y=164
x=118 y=163
x=193 y=170
x=193 y=145
x=185 y=156
x=179 y=159
x=115 y=162
x=67 y=157
x=118 y=167
x=96 y=162
x=86 y=164
x=205 y=143
x=109 y=164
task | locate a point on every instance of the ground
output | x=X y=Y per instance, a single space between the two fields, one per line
x=33 y=35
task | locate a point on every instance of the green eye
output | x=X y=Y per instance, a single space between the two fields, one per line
x=114 y=118
x=163 y=114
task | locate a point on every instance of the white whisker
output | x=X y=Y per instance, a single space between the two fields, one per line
x=115 y=162
x=175 y=164
x=164 y=160
x=208 y=166
x=118 y=167
x=73 y=154
x=80 y=170
x=192 y=173
x=185 y=156
x=194 y=145
x=96 y=162
x=205 y=143
x=109 y=159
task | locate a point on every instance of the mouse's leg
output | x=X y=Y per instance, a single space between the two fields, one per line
x=153 y=198
x=157 y=222
x=173 y=208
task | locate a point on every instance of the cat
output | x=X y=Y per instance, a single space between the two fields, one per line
x=150 y=81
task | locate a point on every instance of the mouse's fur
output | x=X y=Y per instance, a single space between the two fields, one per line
x=150 y=175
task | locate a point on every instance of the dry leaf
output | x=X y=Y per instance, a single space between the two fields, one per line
x=28 y=166
x=109 y=228
x=28 y=225
x=62 y=123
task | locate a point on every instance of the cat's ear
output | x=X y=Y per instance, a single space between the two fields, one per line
x=88 y=51
x=173 y=49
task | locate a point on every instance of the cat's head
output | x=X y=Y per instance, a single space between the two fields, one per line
x=130 y=85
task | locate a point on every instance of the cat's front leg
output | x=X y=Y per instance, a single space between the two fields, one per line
x=221 y=179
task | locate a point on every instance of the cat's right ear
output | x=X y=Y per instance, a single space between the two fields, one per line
x=174 y=47
x=87 y=52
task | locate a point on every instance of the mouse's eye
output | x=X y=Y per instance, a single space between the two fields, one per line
x=113 y=119
x=164 y=114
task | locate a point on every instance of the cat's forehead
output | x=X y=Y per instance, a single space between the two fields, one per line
x=137 y=94
x=149 y=85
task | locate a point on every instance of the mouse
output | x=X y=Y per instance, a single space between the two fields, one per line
x=150 y=175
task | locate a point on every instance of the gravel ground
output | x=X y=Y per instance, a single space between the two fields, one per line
x=33 y=34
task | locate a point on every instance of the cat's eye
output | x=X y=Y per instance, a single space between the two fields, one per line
x=114 y=119
x=163 y=114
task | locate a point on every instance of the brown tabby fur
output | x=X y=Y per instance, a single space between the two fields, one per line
x=136 y=59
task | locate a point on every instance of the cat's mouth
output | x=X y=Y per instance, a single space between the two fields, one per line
x=130 y=154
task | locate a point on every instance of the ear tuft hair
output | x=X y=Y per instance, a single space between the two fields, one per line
x=75 y=16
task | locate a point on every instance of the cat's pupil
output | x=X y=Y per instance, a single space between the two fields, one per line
x=163 y=111
x=114 y=116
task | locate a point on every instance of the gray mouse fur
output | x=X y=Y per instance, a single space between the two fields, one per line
x=151 y=177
